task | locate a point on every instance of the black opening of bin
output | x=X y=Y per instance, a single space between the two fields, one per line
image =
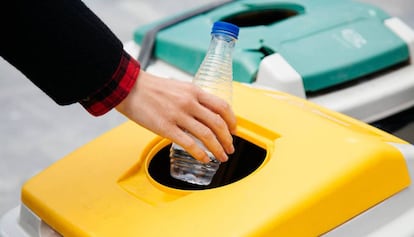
x=246 y=159
x=260 y=17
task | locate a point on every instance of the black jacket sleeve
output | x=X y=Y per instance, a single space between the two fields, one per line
x=60 y=45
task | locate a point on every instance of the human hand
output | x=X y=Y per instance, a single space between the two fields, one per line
x=173 y=109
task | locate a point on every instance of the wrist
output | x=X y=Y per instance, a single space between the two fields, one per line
x=115 y=90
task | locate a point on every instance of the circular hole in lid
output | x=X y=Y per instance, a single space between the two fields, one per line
x=260 y=17
x=246 y=159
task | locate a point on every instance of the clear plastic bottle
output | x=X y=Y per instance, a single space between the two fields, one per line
x=215 y=75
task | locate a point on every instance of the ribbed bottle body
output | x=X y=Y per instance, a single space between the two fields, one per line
x=215 y=76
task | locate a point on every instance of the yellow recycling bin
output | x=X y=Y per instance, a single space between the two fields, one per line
x=299 y=170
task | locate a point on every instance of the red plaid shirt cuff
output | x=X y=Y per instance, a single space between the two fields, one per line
x=115 y=90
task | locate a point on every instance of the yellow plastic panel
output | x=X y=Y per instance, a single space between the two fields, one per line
x=321 y=169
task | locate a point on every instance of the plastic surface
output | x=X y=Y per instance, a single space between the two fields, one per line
x=372 y=98
x=326 y=42
x=184 y=167
x=215 y=76
x=21 y=222
x=222 y=27
x=320 y=170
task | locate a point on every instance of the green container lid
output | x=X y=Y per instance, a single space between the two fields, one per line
x=326 y=42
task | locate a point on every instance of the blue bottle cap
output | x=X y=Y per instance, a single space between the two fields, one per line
x=225 y=28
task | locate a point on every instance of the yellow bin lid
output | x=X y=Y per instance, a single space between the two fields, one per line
x=319 y=169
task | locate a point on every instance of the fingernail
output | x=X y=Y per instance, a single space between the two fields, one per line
x=223 y=157
x=230 y=149
x=206 y=159
x=233 y=130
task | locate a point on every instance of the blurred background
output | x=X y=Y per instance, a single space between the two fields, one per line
x=35 y=132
